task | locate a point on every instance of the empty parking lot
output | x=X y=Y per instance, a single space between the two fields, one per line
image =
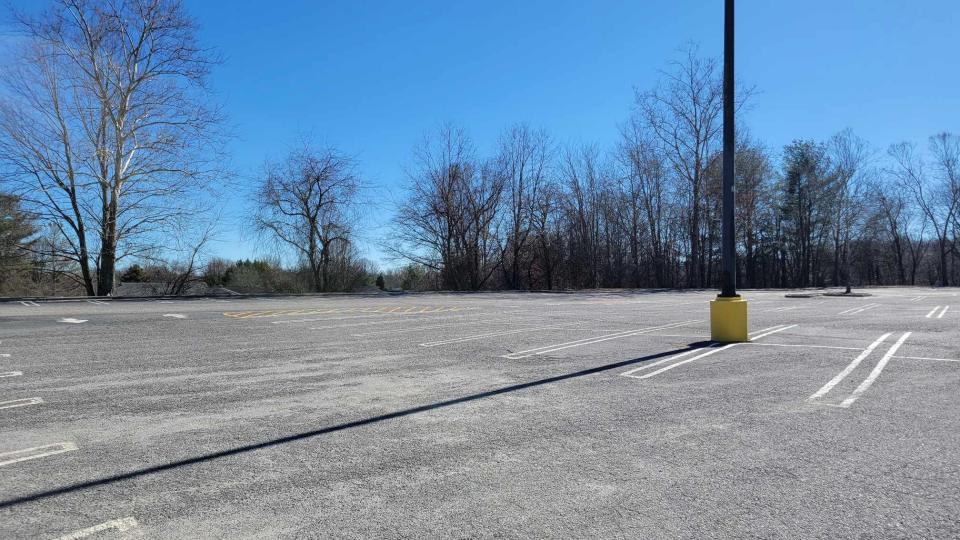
x=605 y=414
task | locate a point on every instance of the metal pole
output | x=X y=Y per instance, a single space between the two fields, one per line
x=729 y=286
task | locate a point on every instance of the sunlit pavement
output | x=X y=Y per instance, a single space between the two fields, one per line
x=604 y=414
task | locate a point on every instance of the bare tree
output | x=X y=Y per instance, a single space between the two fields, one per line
x=308 y=203
x=522 y=161
x=105 y=127
x=936 y=192
x=849 y=155
x=684 y=115
x=452 y=216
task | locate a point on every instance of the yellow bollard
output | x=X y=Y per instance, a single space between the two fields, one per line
x=728 y=319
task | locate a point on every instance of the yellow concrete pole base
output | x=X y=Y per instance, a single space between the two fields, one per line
x=728 y=319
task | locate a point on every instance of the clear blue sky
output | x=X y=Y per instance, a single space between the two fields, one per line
x=372 y=77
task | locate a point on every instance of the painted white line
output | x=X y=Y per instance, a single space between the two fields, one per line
x=590 y=341
x=865 y=385
x=932 y=311
x=861 y=310
x=850 y=367
x=715 y=348
x=659 y=362
x=175 y=315
x=928 y=358
x=9 y=458
x=771 y=330
x=804 y=346
x=72 y=321
x=97 y=302
x=10 y=374
x=492 y=334
x=28 y=303
x=20 y=402
x=4 y=355
x=944 y=312
x=127 y=525
x=858 y=309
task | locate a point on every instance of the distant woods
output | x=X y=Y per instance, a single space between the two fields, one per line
x=646 y=213
x=110 y=163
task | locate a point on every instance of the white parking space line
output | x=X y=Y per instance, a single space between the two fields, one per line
x=20 y=402
x=28 y=303
x=717 y=347
x=659 y=362
x=70 y=320
x=865 y=385
x=917 y=298
x=944 y=312
x=932 y=311
x=10 y=374
x=590 y=341
x=97 y=302
x=492 y=334
x=128 y=526
x=9 y=458
x=175 y=315
x=804 y=346
x=847 y=370
x=927 y=358
x=860 y=309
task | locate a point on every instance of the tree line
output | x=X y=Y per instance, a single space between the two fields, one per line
x=646 y=213
x=110 y=153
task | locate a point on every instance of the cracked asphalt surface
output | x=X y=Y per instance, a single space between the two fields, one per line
x=575 y=415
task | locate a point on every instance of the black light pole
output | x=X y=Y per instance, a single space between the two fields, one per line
x=728 y=312
x=729 y=285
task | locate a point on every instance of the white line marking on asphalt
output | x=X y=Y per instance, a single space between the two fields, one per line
x=491 y=334
x=717 y=347
x=658 y=362
x=97 y=302
x=932 y=311
x=865 y=385
x=590 y=341
x=72 y=321
x=944 y=312
x=127 y=525
x=5 y=355
x=928 y=358
x=10 y=374
x=850 y=367
x=9 y=458
x=28 y=303
x=858 y=309
x=175 y=315
x=20 y=402
x=804 y=346
x=769 y=331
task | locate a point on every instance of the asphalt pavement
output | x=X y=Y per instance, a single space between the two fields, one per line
x=603 y=414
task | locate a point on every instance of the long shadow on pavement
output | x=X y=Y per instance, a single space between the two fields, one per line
x=339 y=427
